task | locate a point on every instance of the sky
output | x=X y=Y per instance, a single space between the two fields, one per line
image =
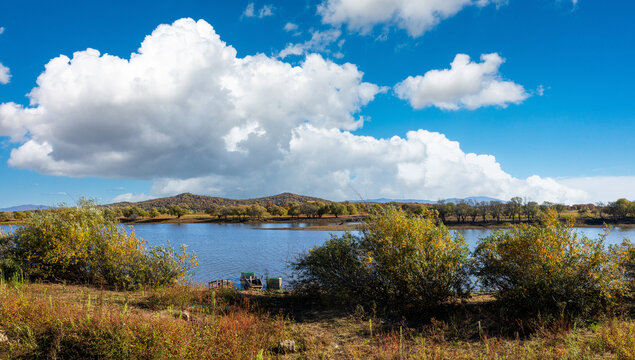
x=341 y=99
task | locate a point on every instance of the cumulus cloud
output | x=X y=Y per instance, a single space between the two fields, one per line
x=320 y=42
x=603 y=188
x=250 y=11
x=186 y=112
x=5 y=74
x=290 y=27
x=1 y=30
x=130 y=197
x=341 y=165
x=466 y=84
x=415 y=16
x=183 y=105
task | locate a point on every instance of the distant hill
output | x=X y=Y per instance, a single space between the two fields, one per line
x=476 y=199
x=25 y=208
x=203 y=202
x=386 y=200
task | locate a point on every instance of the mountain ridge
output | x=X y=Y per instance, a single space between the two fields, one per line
x=417 y=201
x=203 y=202
x=26 y=207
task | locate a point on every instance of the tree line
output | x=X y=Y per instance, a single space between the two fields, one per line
x=519 y=209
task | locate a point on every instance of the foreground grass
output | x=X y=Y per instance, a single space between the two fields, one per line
x=52 y=321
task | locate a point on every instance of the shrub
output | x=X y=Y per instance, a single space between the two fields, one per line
x=551 y=270
x=400 y=262
x=82 y=245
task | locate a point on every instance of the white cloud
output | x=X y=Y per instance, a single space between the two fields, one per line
x=338 y=165
x=250 y=11
x=266 y=10
x=1 y=30
x=187 y=113
x=175 y=103
x=5 y=74
x=603 y=188
x=290 y=27
x=415 y=16
x=130 y=197
x=320 y=42
x=466 y=84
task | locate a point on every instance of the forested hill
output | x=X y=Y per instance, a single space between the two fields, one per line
x=202 y=202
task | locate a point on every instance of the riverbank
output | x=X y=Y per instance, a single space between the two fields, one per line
x=188 y=322
x=347 y=222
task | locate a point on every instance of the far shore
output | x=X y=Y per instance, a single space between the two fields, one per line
x=343 y=223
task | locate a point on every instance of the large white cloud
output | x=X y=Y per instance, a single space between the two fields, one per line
x=183 y=105
x=466 y=84
x=415 y=16
x=341 y=165
x=186 y=112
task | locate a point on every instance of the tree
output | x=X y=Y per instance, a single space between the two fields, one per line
x=238 y=211
x=496 y=208
x=400 y=262
x=323 y=209
x=351 y=209
x=338 y=209
x=293 y=209
x=462 y=211
x=550 y=269
x=177 y=211
x=515 y=206
x=482 y=210
x=83 y=245
x=154 y=213
x=531 y=210
x=256 y=211
x=276 y=210
x=310 y=209
x=619 y=208
x=442 y=209
x=224 y=212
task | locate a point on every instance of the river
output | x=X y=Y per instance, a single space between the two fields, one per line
x=224 y=250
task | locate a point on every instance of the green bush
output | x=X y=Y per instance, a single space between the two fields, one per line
x=400 y=262
x=82 y=245
x=551 y=270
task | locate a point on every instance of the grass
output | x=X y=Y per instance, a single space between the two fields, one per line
x=190 y=322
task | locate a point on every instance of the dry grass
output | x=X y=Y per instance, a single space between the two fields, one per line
x=66 y=322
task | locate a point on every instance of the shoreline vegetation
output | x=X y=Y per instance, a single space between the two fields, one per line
x=74 y=284
x=320 y=214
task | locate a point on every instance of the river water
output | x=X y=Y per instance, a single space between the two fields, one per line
x=225 y=250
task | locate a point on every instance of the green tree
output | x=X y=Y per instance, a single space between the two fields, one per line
x=515 y=207
x=310 y=209
x=338 y=209
x=154 y=213
x=550 y=269
x=531 y=210
x=400 y=262
x=83 y=245
x=256 y=211
x=351 y=209
x=293 y=209
x=177 y=211
x=277 y=210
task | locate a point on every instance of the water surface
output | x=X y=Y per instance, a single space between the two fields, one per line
x=225 y=250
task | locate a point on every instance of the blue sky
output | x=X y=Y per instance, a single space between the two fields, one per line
x=559 y=127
